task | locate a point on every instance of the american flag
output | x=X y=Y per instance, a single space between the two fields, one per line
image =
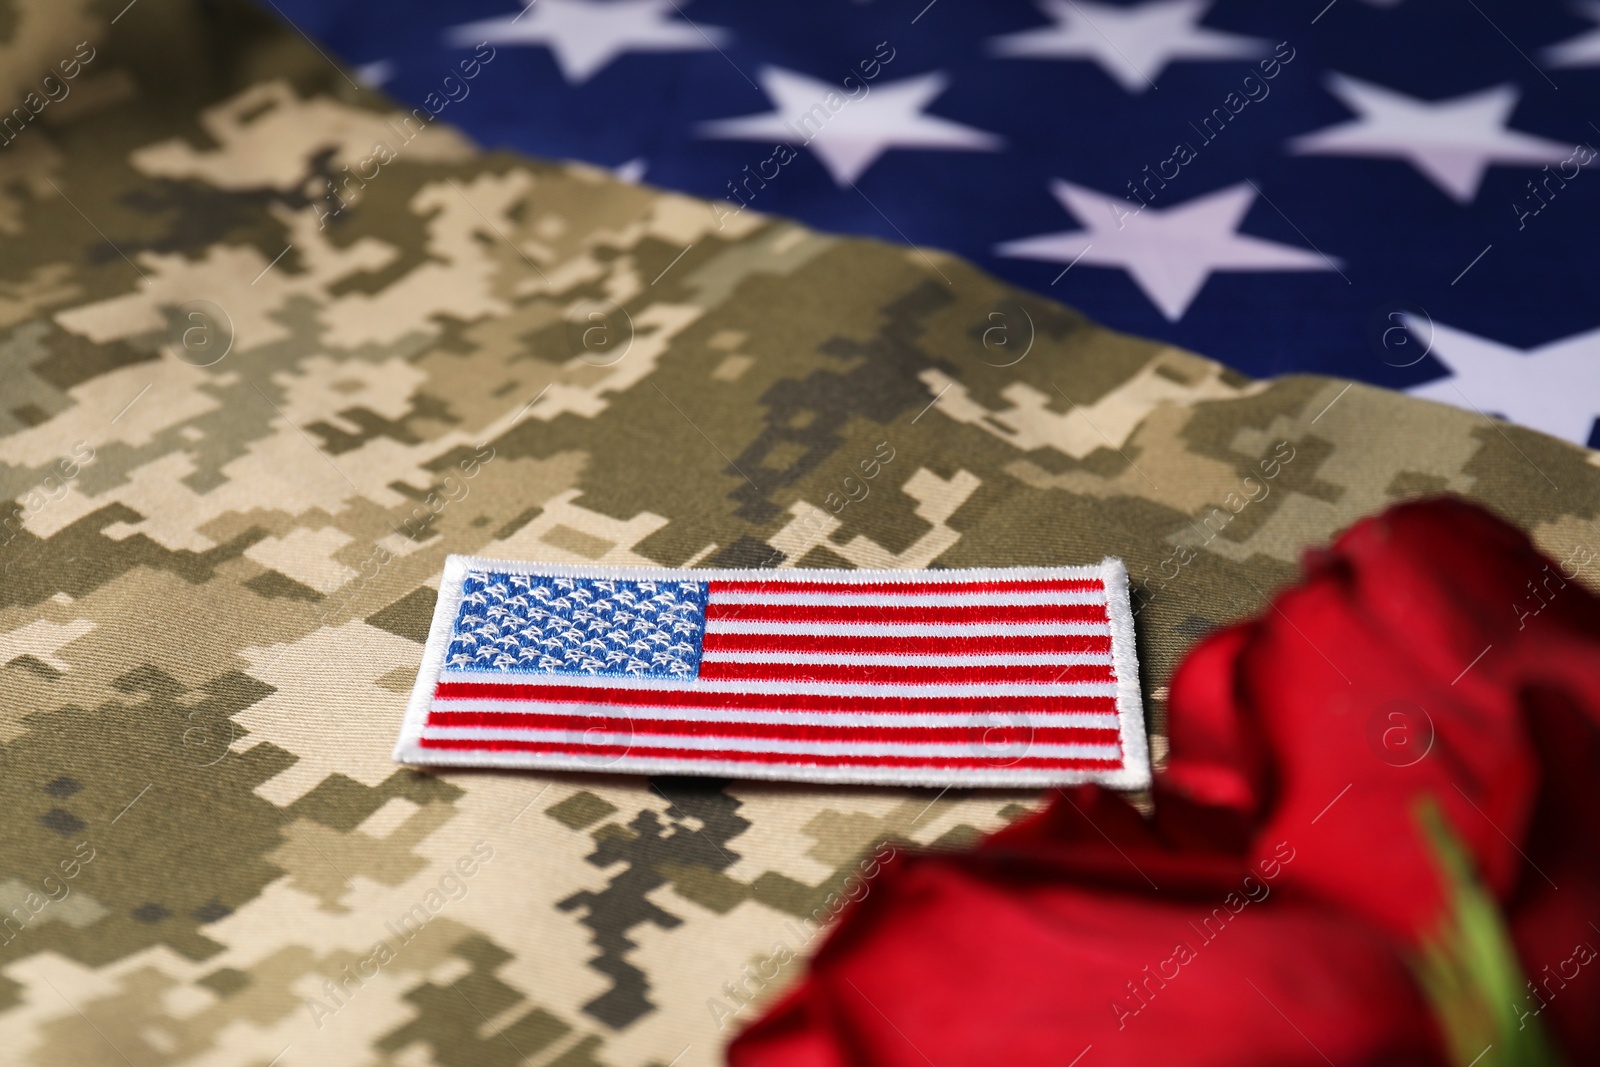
x=1397 y=191
x=1022 y=676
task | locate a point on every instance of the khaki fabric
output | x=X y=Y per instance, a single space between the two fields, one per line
x=239 y=432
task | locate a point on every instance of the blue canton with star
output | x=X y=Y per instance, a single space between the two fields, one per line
x=586 y=626
x=1396 y=191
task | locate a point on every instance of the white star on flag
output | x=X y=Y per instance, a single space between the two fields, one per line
x=1169 y=252
x=1452 y=142
x=586 y=35
x=849 y=134
x=373 y=75
x=632 y=171
x=1582 y=50
x=1132 y=44
x=1539 y=387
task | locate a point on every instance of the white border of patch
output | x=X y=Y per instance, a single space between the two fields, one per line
x=1134 y=774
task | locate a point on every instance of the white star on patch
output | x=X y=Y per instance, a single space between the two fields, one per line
x=1541 y=387
x=1452 y=142
x=1169 y=252
x=586 y=35
x=1132 y=44
x=851 y=137
x=1582 y=50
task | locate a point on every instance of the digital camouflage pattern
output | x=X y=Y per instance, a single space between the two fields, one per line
x=245 y=419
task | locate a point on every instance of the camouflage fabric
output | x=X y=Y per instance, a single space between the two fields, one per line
x=246 y=416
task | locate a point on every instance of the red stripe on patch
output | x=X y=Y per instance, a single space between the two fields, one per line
x=918 y=615
x=594 y=696
x=718 y=670
x=995 y=736
x=973 y=646
x=612 y=752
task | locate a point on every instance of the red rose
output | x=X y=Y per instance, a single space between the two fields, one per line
x=1374 y=843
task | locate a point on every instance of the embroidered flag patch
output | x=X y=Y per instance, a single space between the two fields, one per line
x=996 y=677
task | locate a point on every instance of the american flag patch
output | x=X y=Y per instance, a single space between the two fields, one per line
x=996 y=677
